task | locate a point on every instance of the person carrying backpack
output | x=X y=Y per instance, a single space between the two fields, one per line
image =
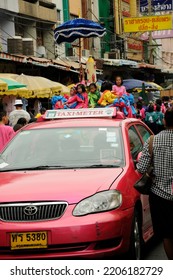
x=151 y=118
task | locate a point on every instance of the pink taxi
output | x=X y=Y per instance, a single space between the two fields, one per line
x=66 y=187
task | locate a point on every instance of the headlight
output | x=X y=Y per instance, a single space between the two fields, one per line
x=100 y=202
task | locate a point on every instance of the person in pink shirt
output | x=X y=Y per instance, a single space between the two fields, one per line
x=73 y=100
x=6 y=131
x=118 y=88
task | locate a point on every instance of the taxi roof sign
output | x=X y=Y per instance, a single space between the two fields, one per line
x=80 y=113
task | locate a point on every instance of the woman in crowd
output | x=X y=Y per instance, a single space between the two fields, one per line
x=161 y=196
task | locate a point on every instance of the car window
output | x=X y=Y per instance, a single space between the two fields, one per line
x=135 y=142
x=145 y=134
x=69 y=147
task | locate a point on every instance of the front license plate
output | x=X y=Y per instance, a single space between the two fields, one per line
x=28 y=240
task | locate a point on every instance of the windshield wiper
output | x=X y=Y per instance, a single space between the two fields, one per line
x=39 y=167
x=100 y=166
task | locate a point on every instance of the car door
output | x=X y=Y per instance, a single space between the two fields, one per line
x=147 y=223
x=143 y=131
x=136 y=141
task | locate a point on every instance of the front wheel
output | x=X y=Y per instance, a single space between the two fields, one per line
x=136 y=240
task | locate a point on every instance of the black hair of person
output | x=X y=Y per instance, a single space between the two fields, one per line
x=169 y=118
x=82 y=87
x=106 y=86
x=2 y=114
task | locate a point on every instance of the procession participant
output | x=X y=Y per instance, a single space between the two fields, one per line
x=73 y=100
x=160 y=117
x=107 y=96
x=18 y=113
x=6 y=131
x=129 y=109
x=82 y=94
x=58 y=100
x=118 y=87
x=93 y=95
x=151 y=118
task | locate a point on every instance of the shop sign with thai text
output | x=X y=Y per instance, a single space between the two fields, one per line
x=157 y=5
x=150 y=23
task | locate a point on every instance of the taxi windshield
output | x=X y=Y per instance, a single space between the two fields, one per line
x=71 y=147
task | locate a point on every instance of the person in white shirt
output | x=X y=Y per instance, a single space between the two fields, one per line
x=18 y=113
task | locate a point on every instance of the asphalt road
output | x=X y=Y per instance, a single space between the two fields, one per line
x=154 y=250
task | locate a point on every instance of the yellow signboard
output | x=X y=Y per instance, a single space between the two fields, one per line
x=143 y=24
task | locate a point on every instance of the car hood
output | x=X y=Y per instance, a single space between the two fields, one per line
x=50 y=185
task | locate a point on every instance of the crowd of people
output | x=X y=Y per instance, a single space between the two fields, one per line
x=157 y=115
x=114 y=95
x=109 y=95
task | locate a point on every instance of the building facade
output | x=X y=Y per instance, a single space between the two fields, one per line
x=27 y=27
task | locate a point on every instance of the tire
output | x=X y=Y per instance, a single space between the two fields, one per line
x=136 y=241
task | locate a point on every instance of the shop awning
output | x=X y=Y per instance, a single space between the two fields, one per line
x=39 y=61
x=120 y=62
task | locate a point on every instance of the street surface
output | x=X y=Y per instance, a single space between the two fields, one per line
x=154 y=251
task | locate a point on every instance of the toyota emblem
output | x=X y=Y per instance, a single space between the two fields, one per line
x=30 y=210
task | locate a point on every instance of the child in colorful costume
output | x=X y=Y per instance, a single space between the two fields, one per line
x=125 y=101
x=93 y=95
x=107 y=98
x=82 y=94
x=58 y=101
x=73 y=100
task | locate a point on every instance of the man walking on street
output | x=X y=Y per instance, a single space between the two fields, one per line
x=18 y=113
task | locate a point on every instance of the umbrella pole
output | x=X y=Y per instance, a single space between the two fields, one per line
x=80 y=61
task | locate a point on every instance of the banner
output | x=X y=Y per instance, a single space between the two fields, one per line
x=142 y=24
x=157 y=5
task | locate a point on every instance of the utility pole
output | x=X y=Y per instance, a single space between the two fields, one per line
x=150 y=55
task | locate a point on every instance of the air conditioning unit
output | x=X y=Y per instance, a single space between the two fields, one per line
x=86 y=53
x=28 y=46
x=15 y=45
x=41 y=51
x=112 y=55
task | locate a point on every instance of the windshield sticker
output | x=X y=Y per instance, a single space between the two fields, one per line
x=111 y=137
x=114 y=145
x=3 y=164
x=102 y=128
x=67 y=136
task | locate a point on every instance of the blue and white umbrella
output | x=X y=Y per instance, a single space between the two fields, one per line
x=78 y=28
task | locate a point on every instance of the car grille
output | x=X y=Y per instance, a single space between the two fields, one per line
x=36 y=211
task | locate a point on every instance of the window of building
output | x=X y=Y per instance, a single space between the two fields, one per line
x=58 y=17
x=73 y=16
